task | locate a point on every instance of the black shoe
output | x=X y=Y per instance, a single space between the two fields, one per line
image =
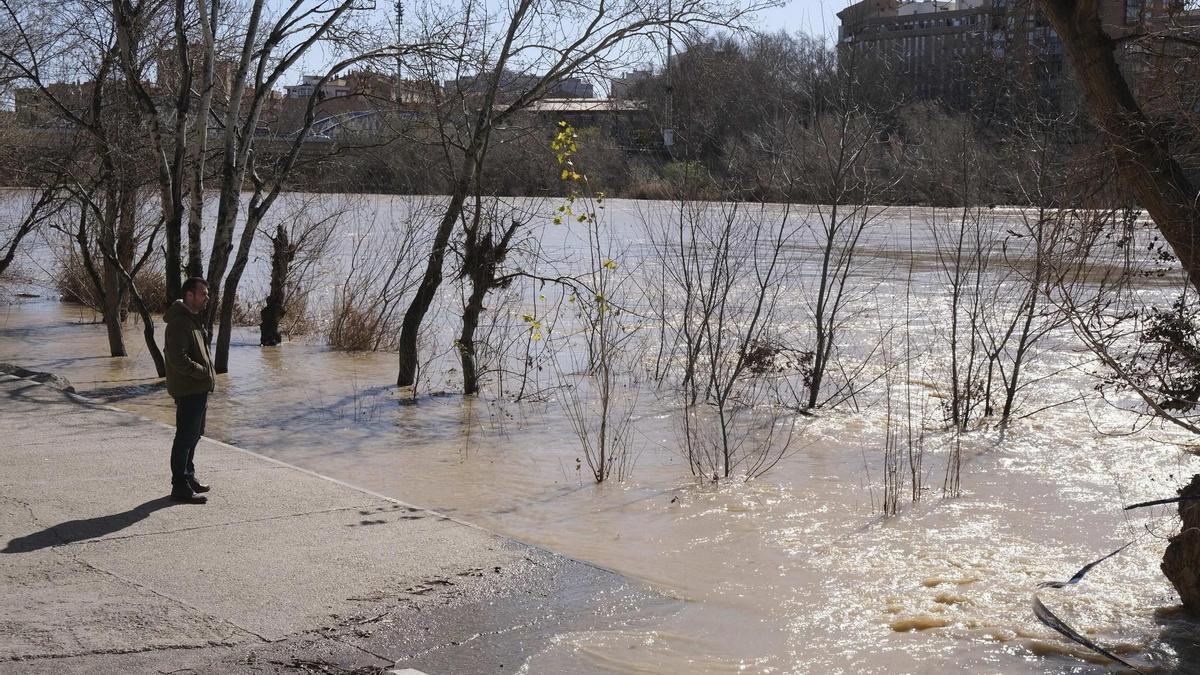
x=187 y=497
x=197 y=486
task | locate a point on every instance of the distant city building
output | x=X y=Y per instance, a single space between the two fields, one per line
x=627 y=122
x=572 y=87
x=331 y=88
x=35 y=108
x=934 y=48
x=953 y=50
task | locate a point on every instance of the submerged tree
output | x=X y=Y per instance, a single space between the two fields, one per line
x=97 y=124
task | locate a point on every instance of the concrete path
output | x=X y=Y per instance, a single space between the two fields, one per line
x=283 y=570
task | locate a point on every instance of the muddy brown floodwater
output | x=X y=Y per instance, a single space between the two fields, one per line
x=796 y=572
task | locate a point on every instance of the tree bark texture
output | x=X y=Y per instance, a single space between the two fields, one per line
x=207 y=16
x=274 y=310
x=1179 y=562
x=483 y=256
x=229 y=297
x=112 y=296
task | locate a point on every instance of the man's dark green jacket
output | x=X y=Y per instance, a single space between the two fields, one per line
x=189 y=367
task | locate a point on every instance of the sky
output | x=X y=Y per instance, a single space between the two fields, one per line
x=815 y=17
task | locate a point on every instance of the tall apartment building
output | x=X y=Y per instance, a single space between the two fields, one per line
x=962 y=51
x=948 y=49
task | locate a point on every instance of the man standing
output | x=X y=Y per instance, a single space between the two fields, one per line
x=190 y=378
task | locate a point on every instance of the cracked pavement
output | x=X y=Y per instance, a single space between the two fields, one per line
x=283 y=570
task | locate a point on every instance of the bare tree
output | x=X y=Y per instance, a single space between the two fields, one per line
x=546 y=44
x=101 y=123
x=1032 y=253
x=1147 y=157
x=297 y=245
x=965 y=250
x=487 y=241
x=599 y=408
x=381 y=270
x=725 y=267
x=135 y=24
x=271 y=41
x=88 y=230
x=831 y=154
x=1148 y=352
x=267 y=189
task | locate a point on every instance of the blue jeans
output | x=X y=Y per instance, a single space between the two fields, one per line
x=190 y=412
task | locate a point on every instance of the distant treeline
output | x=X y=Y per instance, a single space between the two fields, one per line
x=755 y=118
x=749 y=118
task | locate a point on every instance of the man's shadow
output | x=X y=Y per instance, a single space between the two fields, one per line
x=72 y=531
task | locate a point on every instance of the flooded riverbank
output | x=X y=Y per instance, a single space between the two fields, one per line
x=797 y=571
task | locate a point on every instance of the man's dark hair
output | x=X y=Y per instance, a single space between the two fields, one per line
x=192 y=284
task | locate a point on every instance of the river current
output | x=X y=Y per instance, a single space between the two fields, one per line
x=797 y=571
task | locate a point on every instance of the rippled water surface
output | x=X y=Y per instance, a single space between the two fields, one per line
x=797 y=571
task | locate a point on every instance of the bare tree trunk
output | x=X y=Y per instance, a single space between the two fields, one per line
x=1025 y=338
x=195 y=264
x=22 y=232
x=229 y=297
x=233 y=171
x=85 y=254
x=427 y=291
x=1179 y=561
x=273 y=310
x=820 y=348
x=466 y=339
x=224 y=337
x=112 y=312
x=956 y=388
x=183 y=104
x=207 y=15
x=130 y=22
x=160 y=366
x=222 y=247
x=478 y=266
x=483 y=256
x=173 y=263
x=1143 y=154
x=127 y=222
x=110 y=257
x=112 y=279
